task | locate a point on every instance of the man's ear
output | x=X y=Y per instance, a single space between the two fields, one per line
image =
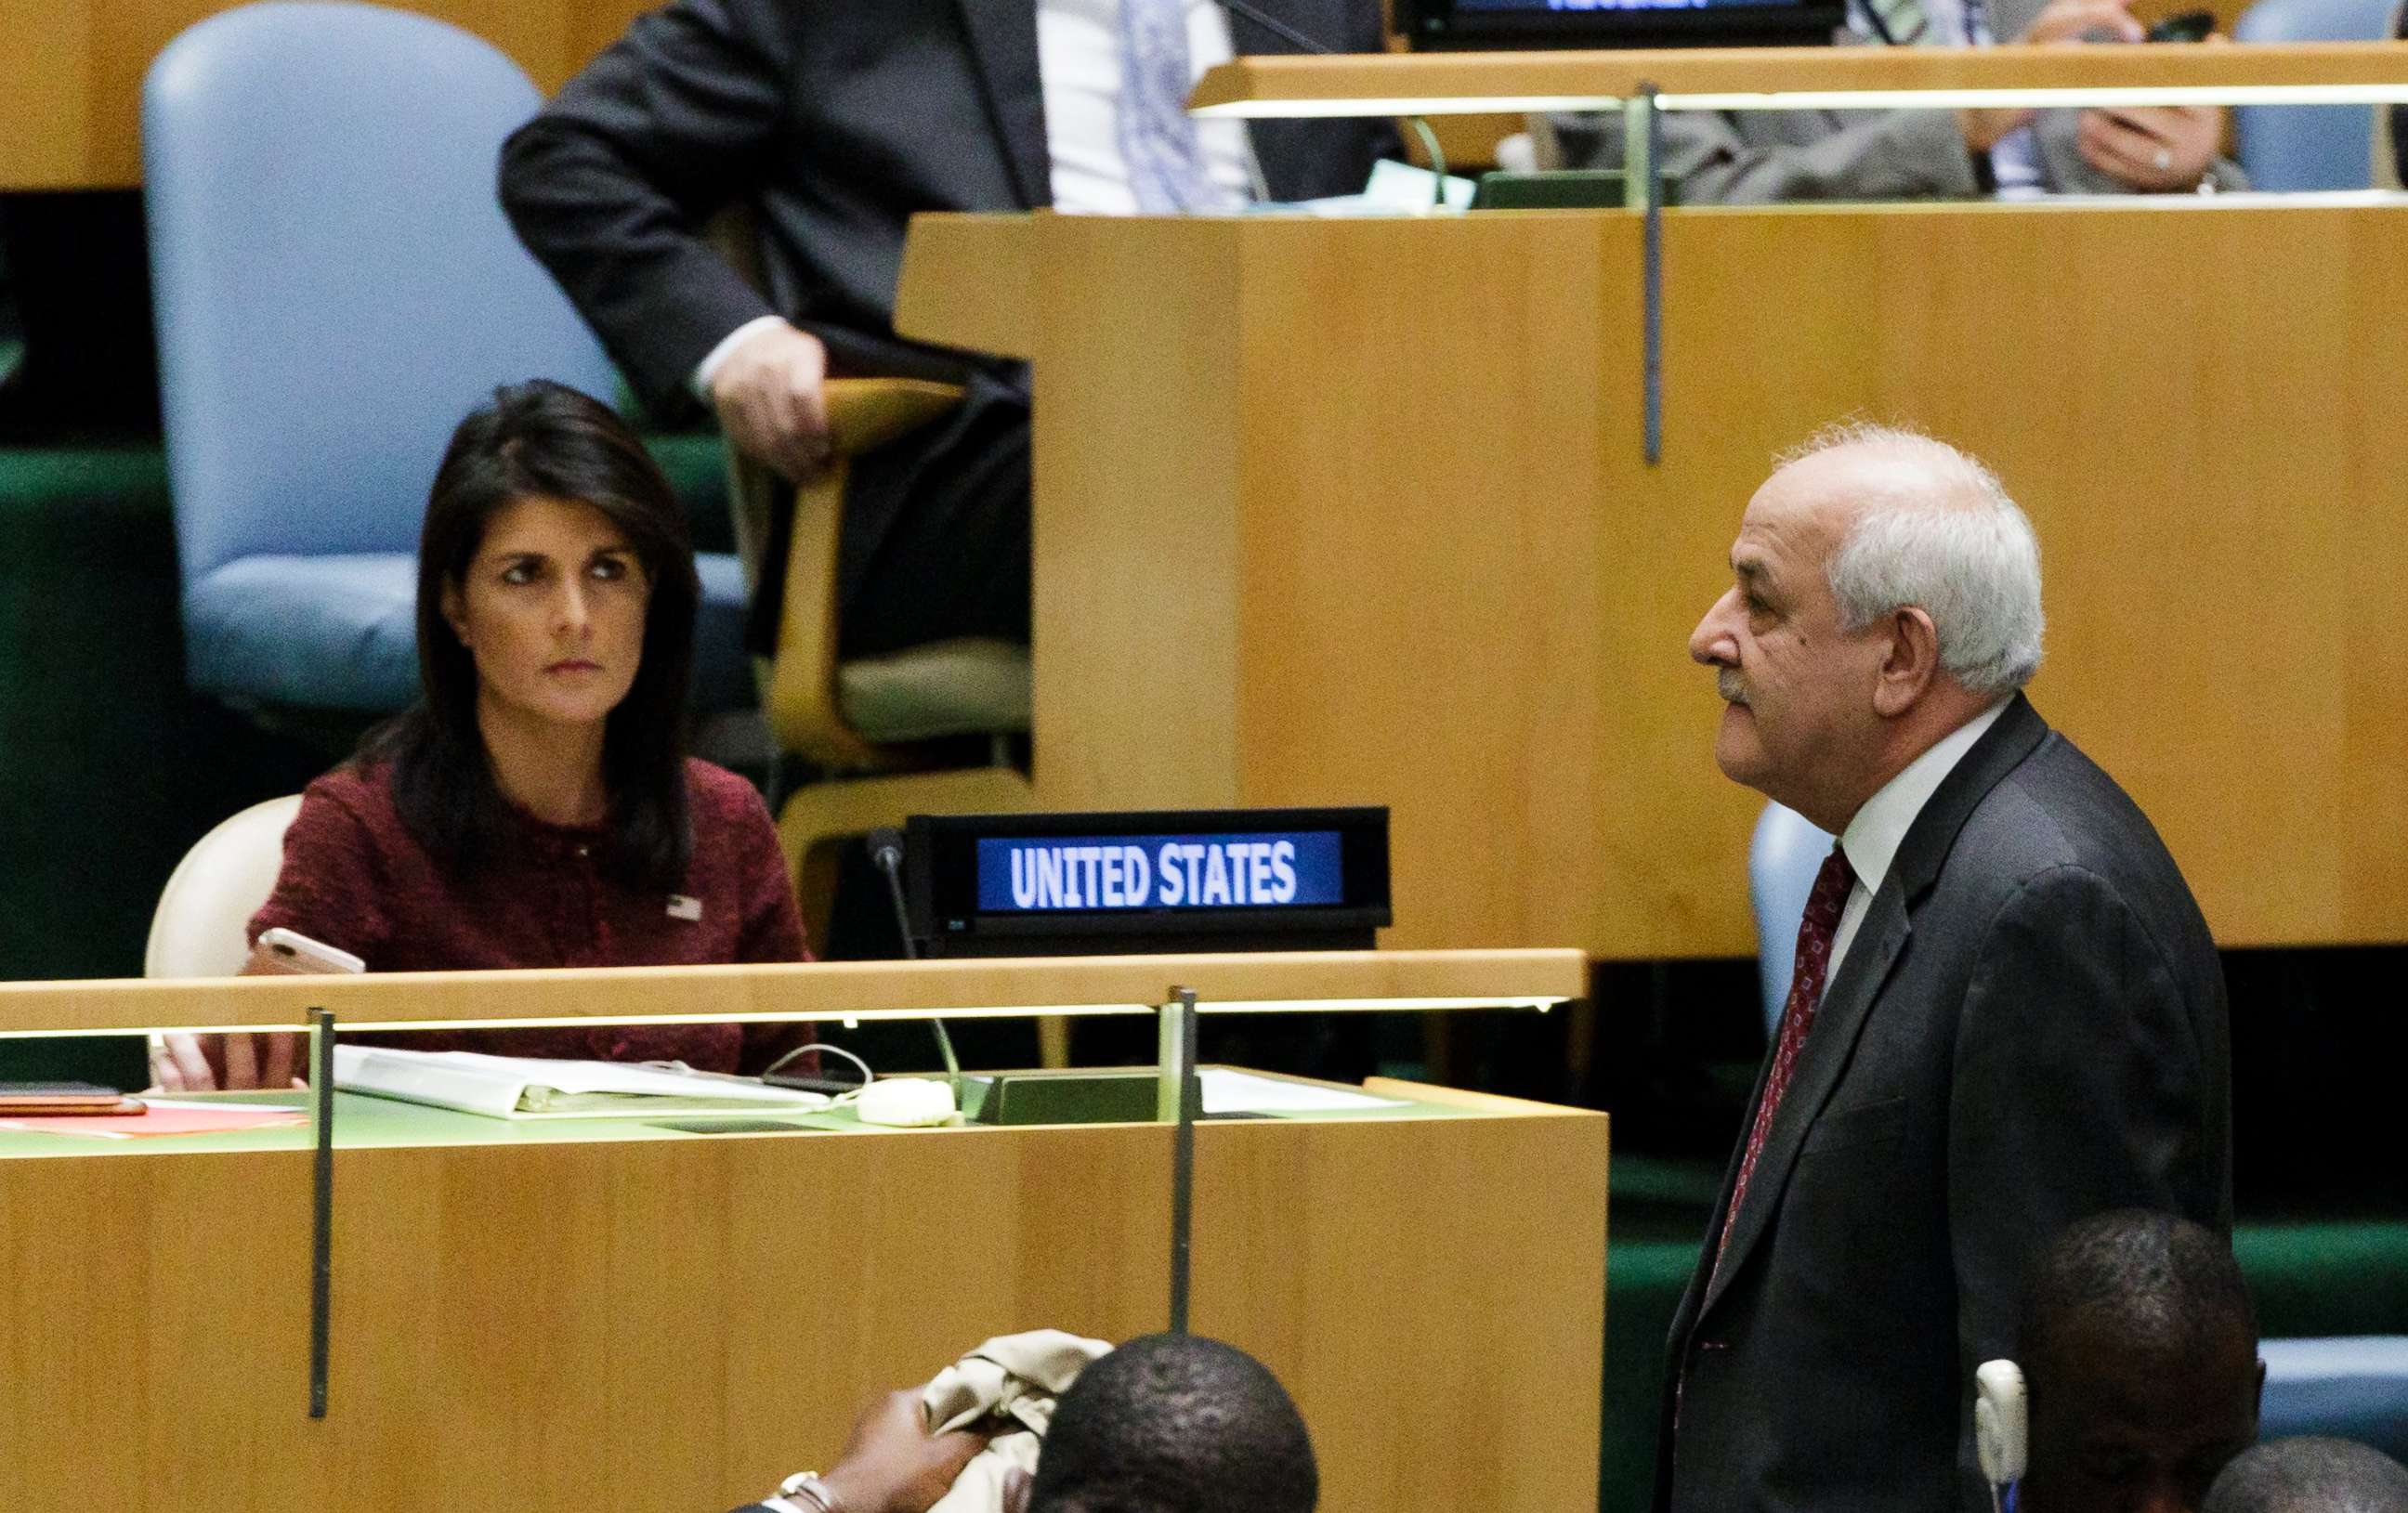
x=1912 y=663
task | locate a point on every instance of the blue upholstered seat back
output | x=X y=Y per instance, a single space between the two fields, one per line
x=2309 y=147
x=336 y=287
x=1782 y=860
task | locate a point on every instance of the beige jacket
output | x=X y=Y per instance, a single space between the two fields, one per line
x=1013 y=1376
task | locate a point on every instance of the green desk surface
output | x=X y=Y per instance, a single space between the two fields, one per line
x=364 y=1123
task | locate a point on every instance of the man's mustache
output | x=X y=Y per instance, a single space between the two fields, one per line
x=1726 y=683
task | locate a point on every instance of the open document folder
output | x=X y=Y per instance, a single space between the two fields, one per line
x=529 y=1087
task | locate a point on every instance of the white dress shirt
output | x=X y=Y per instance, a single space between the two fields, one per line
x=1079 y=64
x=1872 y=837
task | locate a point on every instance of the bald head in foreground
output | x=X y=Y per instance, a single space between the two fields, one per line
x=2006 y=1013
x=2139 y=1349
x=1175 y=1423
x=2311 y=1474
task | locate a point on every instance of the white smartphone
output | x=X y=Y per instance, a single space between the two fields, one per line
x=296 y=953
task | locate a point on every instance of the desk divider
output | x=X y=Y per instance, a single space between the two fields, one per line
x=321 y=1206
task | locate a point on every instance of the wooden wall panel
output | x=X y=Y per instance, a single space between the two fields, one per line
x=71 y=71
x=1461 y=592
x=672 y=1325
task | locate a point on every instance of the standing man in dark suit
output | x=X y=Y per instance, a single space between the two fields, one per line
x=2007 y=1013
x=838 y=120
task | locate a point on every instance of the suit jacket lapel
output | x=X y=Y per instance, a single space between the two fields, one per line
x=2018 y=733
x=1003 y=40
x=1848 y=1002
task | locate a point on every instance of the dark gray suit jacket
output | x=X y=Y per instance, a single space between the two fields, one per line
x=2028 y=1028
x=837 y=119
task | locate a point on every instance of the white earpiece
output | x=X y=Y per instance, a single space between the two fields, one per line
x=1998 y=1429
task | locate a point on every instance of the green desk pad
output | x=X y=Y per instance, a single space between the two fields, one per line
x=364 y=1123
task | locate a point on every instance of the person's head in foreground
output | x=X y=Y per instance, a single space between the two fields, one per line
x=1886 y=592
x=556 y=598
x=2311 y=1474
x=2139 y=1349
x=1174 y=1423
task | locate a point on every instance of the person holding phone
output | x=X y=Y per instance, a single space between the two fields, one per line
x=1761 y=157
x=535 y=807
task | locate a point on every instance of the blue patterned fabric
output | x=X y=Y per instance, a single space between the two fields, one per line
x=1157 y=136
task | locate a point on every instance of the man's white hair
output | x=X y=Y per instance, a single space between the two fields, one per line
x=1957 y=548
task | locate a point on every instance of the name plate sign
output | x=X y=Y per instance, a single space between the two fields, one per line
x=1267 y=870
x=1239 y=879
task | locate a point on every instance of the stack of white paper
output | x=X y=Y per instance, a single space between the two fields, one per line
x=1229 y=1091
x=530 y=1087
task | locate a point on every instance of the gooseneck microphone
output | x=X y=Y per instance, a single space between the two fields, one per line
x=1272 y=24
x=886 y=855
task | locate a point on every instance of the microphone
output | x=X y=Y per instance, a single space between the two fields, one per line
x=1420 y=125
x=1274 y=24
x=886 y=855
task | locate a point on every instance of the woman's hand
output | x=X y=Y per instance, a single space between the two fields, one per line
x=236 y=1062
x=225 y=1062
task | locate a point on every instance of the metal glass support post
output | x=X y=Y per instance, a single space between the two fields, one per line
x=1178 y=1101
x=322 y=1218
x=1644 y=126
x=1638 y=148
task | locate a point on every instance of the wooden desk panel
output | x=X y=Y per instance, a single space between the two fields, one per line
x=669 y=1326
x=1355 y=512
x=71 y=71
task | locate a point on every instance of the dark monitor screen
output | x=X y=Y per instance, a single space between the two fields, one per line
x=1619 y=23
x=1229 y=879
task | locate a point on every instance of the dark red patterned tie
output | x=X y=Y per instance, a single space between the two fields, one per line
x=1806 y=980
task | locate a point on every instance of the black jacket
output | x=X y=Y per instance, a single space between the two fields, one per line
x=2028 y=1028
x=839 y=118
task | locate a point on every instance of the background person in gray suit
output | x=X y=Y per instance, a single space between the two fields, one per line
x=2024 y=1022
x=1769 y=156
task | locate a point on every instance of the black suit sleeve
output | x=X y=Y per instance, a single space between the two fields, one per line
x=2399 y=112
x=2080 y=1085
x=610 y=184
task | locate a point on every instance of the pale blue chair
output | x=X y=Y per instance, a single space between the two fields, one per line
x=2353 y=1387
x=2310 y=146
x=1782 y=860
x=335 y=288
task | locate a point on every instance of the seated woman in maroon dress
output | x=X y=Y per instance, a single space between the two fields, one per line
x=537 y=807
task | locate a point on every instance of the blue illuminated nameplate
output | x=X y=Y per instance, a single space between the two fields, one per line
x=1271 y=869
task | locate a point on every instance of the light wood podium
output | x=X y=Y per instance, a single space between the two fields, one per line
x=619 y=1316
x=1356 y=512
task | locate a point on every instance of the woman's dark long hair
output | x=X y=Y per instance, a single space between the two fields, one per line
x=543 y=440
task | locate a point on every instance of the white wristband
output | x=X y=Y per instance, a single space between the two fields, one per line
x=805 y=1492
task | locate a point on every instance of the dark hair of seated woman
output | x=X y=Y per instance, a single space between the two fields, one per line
x=544 y=440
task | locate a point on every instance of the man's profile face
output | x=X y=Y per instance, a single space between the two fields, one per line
x=2117 y=1431
x=1799 y=716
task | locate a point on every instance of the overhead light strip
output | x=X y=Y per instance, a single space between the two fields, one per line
x=1931 y=99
